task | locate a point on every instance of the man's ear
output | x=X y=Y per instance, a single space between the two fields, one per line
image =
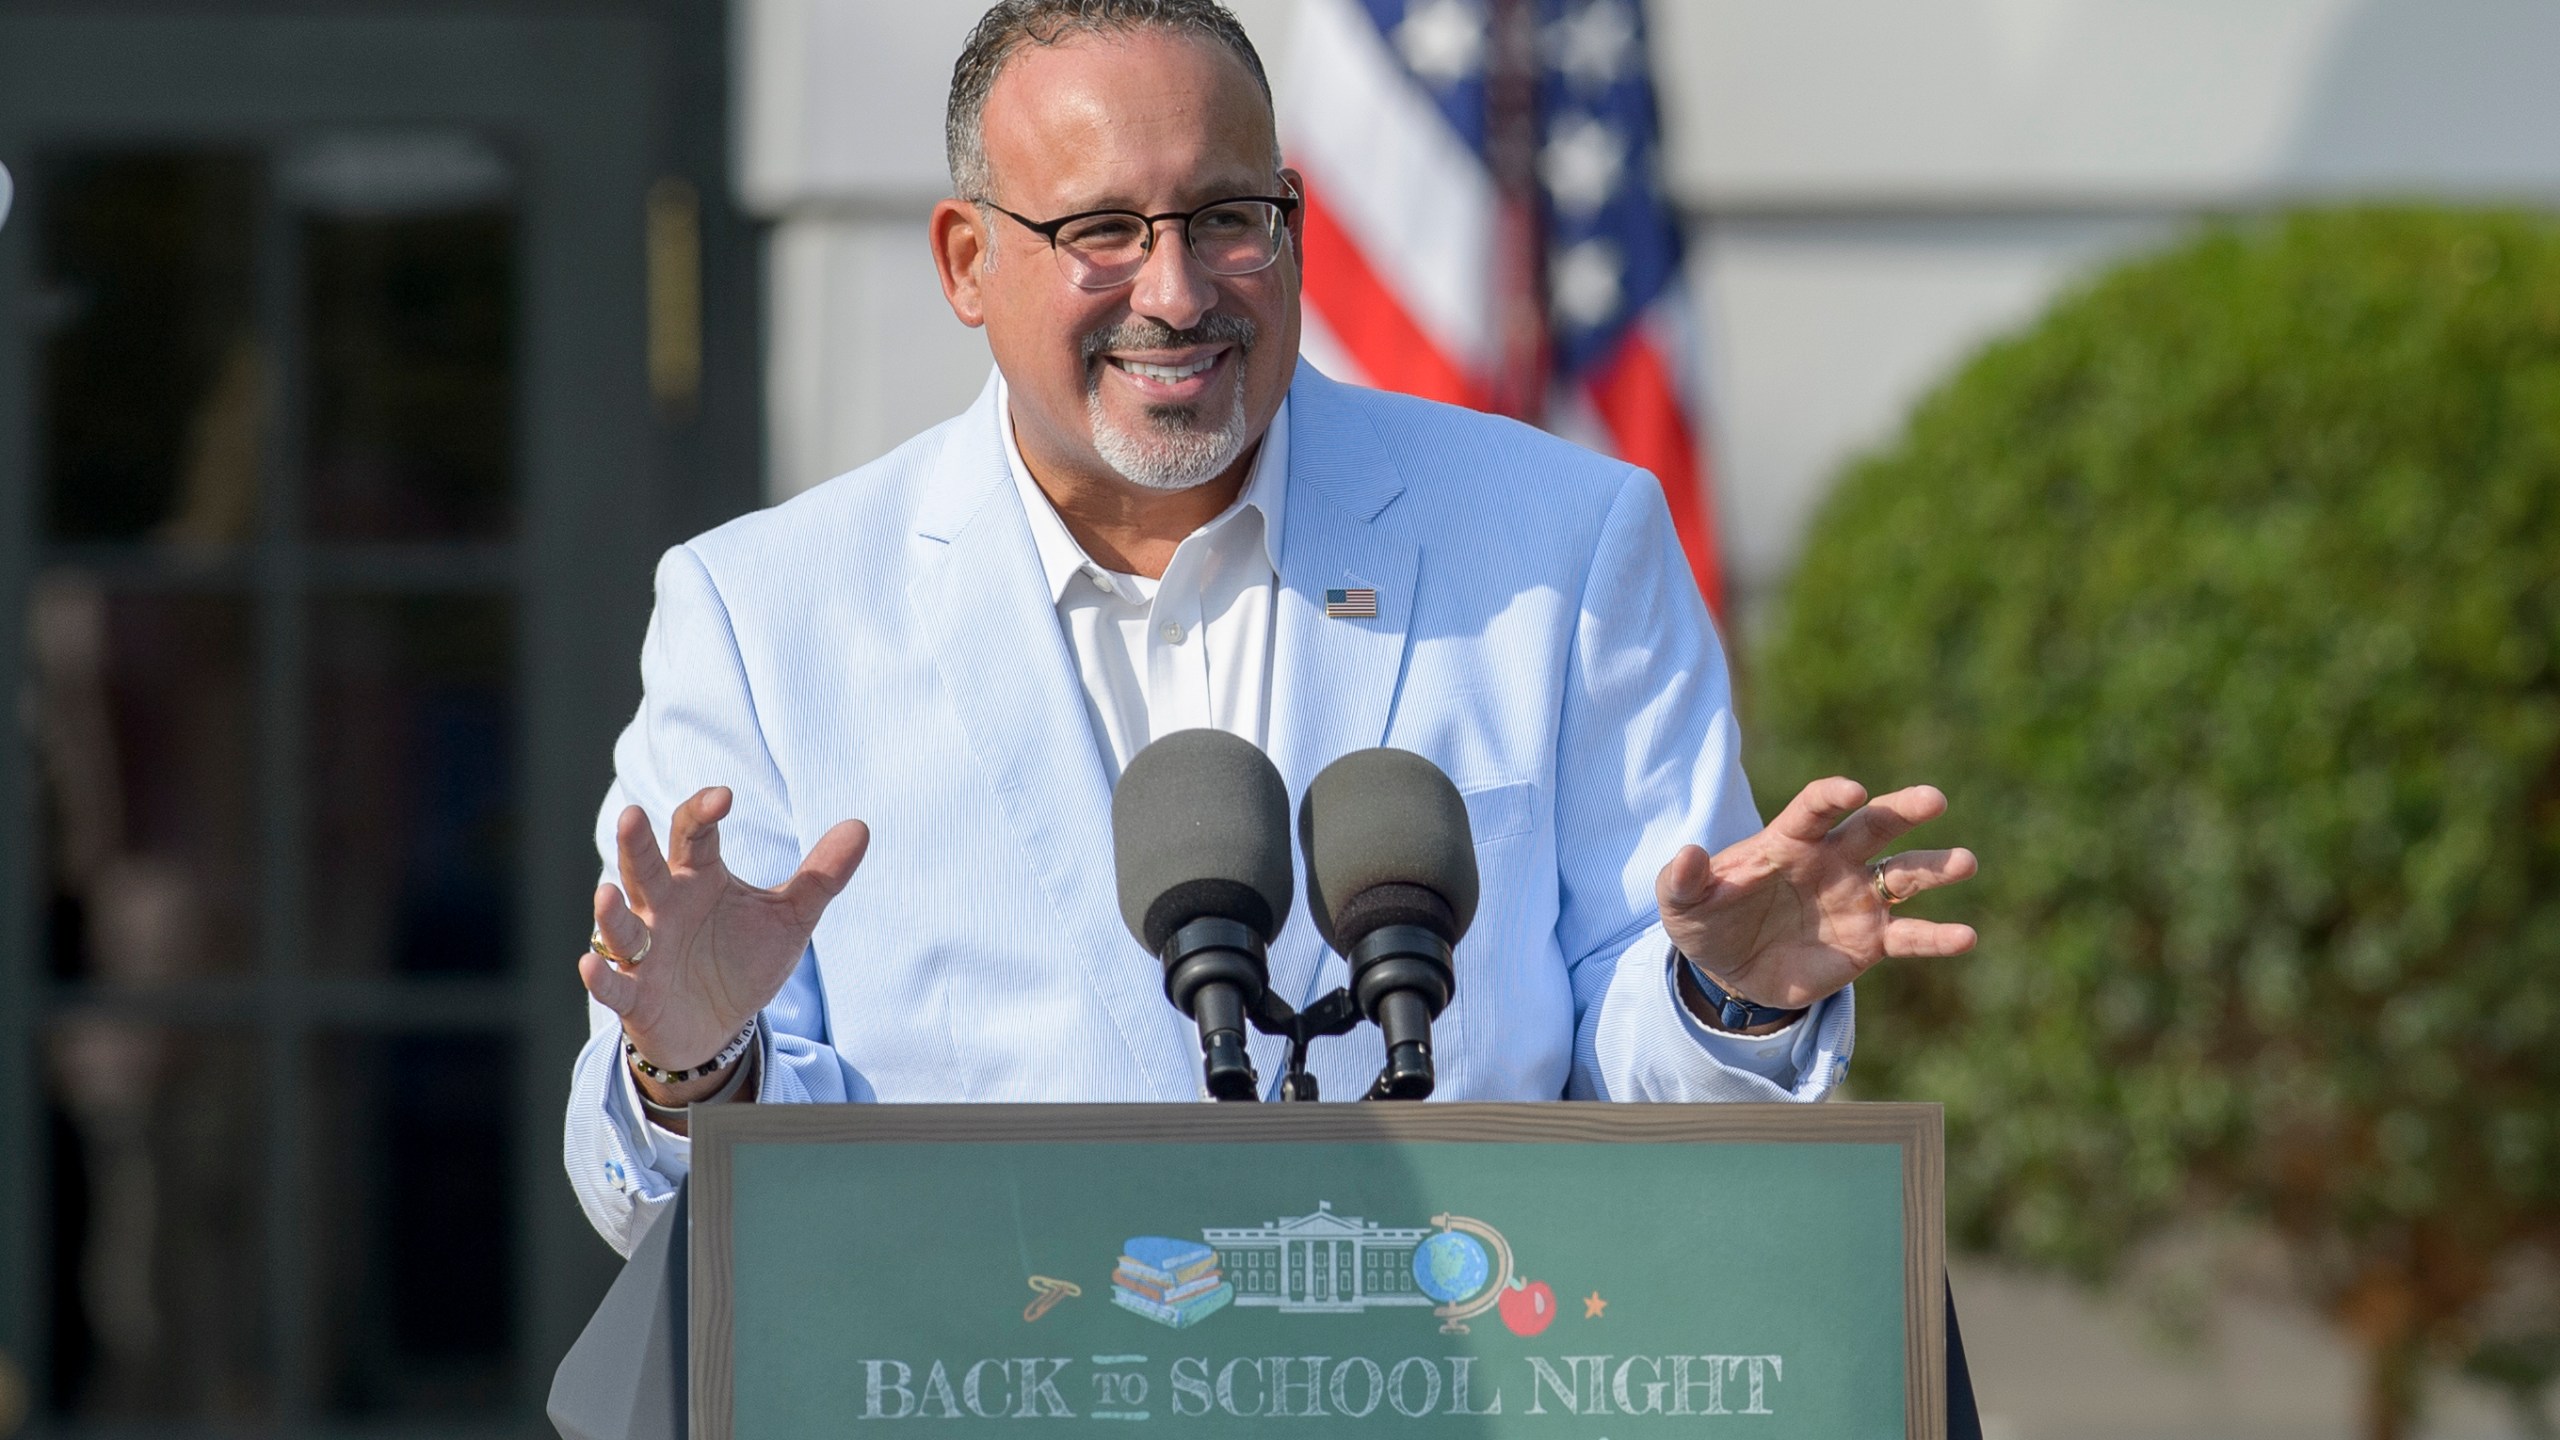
x=1297 y=184
x=963 y=252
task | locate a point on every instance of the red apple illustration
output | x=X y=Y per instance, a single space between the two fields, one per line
x=1528 y=1308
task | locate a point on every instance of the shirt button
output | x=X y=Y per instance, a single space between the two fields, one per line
x=1100 y=582
x=1172 y=633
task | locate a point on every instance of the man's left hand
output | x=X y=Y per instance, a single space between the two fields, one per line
x=1796 y=912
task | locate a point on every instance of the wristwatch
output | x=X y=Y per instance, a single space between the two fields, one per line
x=1732 y=1011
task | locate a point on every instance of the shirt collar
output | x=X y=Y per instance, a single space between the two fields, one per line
x=1063 y=561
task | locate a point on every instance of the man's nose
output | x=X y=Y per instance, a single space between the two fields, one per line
x=1173 y=287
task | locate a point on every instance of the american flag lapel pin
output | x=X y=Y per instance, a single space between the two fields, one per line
x=1357 y=603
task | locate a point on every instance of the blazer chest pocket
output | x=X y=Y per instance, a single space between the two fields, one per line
x=1498 y=811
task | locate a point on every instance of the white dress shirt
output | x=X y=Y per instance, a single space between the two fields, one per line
x=1189 y=651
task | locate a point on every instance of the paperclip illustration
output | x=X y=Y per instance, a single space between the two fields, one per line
x=1048 y=1291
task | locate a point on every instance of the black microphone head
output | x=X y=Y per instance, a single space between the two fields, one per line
x=1387 y=843
x=1200 y=828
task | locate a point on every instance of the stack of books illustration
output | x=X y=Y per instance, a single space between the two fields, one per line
x=1172 y=1282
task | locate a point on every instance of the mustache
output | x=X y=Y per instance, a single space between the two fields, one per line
x=1140 y=333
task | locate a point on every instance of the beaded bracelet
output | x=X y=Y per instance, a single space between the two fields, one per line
x=728 y=1091
x=665 y=1076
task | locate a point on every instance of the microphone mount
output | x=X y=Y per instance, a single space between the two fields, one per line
x=1214 y=971
x=1335 y=1014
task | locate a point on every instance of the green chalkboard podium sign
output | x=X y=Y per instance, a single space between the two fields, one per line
x=1427 y=1272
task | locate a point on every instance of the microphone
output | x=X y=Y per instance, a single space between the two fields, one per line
x=1391 y=879
x=1200 y=839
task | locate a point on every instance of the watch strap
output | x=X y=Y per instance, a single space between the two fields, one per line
x=1732 y=1011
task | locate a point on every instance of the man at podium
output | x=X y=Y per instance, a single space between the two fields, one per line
x=1154 y=518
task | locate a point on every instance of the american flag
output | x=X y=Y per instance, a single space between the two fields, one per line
x=1358 y=603
x=1486 y=226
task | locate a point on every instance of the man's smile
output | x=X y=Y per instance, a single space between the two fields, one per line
x=1172 y=377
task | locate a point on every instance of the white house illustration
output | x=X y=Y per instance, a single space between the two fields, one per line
x=1321 y=1262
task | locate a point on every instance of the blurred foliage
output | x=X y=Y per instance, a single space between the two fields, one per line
x=2224 y=603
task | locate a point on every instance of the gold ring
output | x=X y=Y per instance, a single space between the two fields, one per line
x=1884 y=892
x=595 y=942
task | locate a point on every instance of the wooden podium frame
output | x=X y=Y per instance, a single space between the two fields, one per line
x=1918 y=1128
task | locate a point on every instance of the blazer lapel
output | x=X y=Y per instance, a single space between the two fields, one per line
x=1333 y=681
x=983 y=608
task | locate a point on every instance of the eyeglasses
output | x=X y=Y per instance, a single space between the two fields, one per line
x=1099 y=249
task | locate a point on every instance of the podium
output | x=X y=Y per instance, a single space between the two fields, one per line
x=1476 y=1270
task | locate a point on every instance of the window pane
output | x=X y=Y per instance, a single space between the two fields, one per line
x=412 y=846
x=159 y=1299
x=409 y=256
x=142 y=725
x=153 y=399
x=414 y=1256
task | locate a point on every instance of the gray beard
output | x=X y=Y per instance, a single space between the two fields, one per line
x=1174 y=452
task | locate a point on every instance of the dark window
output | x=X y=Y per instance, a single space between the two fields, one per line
x=275 y=731
x=328 y=396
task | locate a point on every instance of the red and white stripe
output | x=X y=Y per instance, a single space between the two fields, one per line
x=1400 y=236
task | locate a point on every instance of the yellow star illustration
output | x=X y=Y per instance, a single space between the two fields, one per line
x=1592 y=1305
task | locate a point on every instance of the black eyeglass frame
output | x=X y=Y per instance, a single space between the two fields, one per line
x=1048 y=230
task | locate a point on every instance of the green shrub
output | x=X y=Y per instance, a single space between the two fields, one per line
x=2224 y=603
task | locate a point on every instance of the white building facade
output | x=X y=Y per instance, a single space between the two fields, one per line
x=1873 y=188
x=1321 y=1262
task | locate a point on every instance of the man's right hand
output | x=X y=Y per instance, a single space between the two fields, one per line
x=712 y=950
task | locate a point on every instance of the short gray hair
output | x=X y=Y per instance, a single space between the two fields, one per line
x=1012 y=24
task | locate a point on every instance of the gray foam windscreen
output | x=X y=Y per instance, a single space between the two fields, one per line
x=1200 y=826
x=1385 y=818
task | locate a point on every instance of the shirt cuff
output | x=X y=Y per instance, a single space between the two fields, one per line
x=669 y=1153
x=1779 y=1057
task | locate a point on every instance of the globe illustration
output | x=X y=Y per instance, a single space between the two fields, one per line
x=1451 y=1266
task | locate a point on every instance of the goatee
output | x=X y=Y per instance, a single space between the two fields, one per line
x=1180 y=447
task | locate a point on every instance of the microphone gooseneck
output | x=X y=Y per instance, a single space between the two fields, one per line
x=1200 y=843
x=1391 y=882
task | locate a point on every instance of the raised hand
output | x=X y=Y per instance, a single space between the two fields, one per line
x=1796 y=912
x=707 y=950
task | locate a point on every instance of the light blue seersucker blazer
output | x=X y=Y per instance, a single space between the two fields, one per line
x=885 y=647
